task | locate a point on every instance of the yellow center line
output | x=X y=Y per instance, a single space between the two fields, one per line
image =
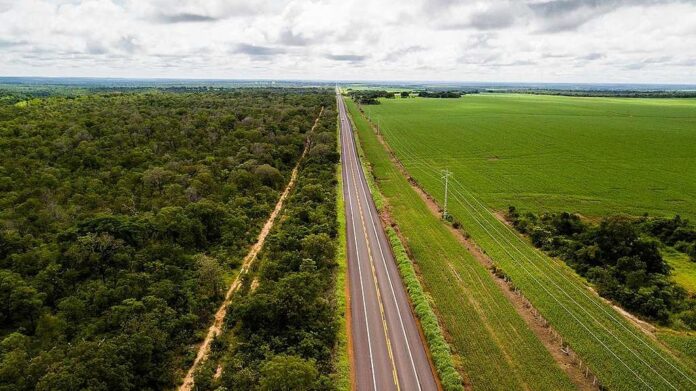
x=374 y=279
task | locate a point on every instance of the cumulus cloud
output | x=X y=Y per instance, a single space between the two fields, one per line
x=346 y=57
x=184 y=17
x=592 y=56
x=256 y=51
x=493 y=40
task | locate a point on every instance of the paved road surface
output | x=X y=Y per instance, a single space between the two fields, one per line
x=388 y=352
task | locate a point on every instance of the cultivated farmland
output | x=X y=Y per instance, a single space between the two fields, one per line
x=486 y=333
x=596 y=157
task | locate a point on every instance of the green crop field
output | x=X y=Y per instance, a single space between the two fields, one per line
x=596 y=157
x=486 y=333
x=683 y=270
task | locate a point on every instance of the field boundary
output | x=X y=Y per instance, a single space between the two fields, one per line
x=343 y=359
x=617 y=350
x=581 y=375
x=439 y=351
x=216 y=328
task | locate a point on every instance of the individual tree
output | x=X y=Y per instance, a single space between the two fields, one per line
x=288 y=373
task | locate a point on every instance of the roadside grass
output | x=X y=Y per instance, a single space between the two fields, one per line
x=544 y=172
x=342 y=364
x=439 y=349
x=493 y=348
x=594 y=156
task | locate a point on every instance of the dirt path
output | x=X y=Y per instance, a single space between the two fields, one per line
x=216 y=327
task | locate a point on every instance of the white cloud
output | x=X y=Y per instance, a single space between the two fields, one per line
x=500 y=40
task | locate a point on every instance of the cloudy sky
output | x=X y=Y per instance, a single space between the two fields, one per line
x=550 y=40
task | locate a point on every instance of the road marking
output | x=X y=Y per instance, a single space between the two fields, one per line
x=541 y=284
x=369 y=252
x=362 y=289
x=386 y=269
x=374 y=280
x=391 y=286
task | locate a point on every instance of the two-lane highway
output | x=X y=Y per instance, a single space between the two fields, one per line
x=388 y=353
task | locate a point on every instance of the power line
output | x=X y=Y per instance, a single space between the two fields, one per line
x=445 y=176
x=407 y=151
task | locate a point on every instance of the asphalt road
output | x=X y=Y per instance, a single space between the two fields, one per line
x=388 y=353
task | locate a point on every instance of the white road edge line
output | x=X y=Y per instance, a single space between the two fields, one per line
x=357 y=254
x=391 y=285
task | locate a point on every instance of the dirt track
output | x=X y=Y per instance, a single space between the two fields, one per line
x=216 y=327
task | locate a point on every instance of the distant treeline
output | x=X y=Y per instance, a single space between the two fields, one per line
x=621 y=257
x=604 y=93
x=15 y=93
x=370 y=97
x=441 y=94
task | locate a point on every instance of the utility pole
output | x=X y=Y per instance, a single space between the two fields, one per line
x=445 y=175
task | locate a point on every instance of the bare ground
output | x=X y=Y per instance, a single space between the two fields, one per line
x=216 y=328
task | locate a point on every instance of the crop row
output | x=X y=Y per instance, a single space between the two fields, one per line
x=487 y=336
x=621 y=355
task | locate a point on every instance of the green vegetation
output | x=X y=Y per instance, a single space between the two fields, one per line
x=622 y=265
x=440 y=94
x=439 y=349
x=369 y=97
x=285 y=324
x=676 y=232
x=683 y=269
x=683 y=344
x=120 y=214
x=609 y=93
x=487 y=336
x=592 y=156
x=341 y=357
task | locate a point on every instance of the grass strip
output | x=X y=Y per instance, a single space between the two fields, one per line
x=341 y=359
x=439 y=348
x=486 y=335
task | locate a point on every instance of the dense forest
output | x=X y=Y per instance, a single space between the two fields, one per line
x=441 y=94
x=369 y=97
x=282 y=325
x=122 y=212
x=621 y=257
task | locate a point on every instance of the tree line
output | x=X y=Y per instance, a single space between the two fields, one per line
x=604 y=93
x=282 y=325
x=369 y=97
x=621 y=256
x=120 y=213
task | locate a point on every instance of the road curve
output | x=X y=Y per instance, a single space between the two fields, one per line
x=388 y=353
